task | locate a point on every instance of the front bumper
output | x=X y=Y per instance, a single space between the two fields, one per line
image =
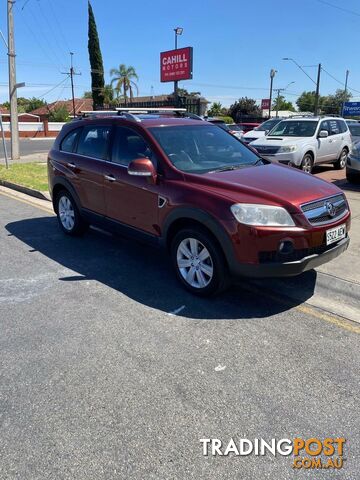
x=353 y=164
x=289 y=269
x=291 y=158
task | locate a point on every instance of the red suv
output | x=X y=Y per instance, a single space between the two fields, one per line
x=191 y=187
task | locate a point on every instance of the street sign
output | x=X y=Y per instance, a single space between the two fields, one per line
x=351 y=109
x=265 y=104
x=176 y=64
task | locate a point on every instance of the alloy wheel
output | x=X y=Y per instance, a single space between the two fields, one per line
x=194 y=263
x=66 y=213
x=307 y=165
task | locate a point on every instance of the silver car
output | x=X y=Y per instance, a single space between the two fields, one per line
x=355 y=131
x=353 y=164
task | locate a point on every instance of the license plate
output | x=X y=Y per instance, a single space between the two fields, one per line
x=335 y=234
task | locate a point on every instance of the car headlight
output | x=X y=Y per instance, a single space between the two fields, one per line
x=287 y=148
x=261 y=215
x=355 y=151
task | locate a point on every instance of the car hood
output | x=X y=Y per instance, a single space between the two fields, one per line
x=254 y=134
x=271 y=184
x=279 y=141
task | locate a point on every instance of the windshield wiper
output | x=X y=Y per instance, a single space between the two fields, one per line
x=259 y=160
x=227 y=168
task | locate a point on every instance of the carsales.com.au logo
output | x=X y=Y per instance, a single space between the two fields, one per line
x=310 y=453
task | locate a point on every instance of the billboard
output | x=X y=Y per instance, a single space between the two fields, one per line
x=176 y=64
x=351 y=109
x=265 y=104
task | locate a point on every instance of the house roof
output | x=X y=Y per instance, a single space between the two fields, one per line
x=80 y=104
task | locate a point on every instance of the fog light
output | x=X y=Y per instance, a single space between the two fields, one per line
x=286 y=247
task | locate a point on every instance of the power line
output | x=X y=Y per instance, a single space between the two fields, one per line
x=51 y=28
x=352 y=12
x=59 y=25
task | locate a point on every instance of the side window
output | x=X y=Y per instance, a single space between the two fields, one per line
x=129 y=145
x=94 y=142
x=334 y=127
x=342 y=126
x=325 y=126
x=68 y=143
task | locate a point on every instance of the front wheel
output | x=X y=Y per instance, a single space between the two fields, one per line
x=68 y=215
x=307 y=163
x=341 y=162
x=199 y=262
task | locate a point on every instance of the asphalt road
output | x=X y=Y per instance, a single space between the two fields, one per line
x=29 y=146
x=99 y=380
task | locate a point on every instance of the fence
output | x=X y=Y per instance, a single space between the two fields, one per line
x=35 y=129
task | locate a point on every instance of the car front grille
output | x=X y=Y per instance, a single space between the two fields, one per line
x=295 y=255
x=326 y=210
x=267 y=149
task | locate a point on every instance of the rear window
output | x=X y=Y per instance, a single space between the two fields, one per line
x=94 y=142
x=69 y=142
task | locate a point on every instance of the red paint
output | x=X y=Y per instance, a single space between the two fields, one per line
x=176 y=64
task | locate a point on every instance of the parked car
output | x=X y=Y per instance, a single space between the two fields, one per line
x=353 y=164
x=307 y=141
x=351 y=121
x=247 y=126
x=236 y=130
x=190 y=187
x=261 y=130
x=231 y=128
x=355 y=131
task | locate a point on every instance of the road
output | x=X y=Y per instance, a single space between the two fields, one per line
x=29 y=146
x=110 y=370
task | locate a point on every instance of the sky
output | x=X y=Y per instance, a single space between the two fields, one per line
x=235 y=42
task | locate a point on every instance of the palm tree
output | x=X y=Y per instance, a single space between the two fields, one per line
x=124 y=80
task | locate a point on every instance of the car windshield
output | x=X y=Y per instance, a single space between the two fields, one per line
x=294 y=128
x=203 y=148
x=355 y=130
x=268 y=125
x=235 y=128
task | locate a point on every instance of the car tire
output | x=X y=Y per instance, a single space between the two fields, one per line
x=341 y=161
x=353 y=178
x=68 y=215
x=199 y=263
x=307 y=163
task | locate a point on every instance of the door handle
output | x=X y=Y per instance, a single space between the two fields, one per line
x=71 y=165
x=110 y=178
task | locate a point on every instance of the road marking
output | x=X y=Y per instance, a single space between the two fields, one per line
x=27 y=202
x=306 y=309
x=220 y=368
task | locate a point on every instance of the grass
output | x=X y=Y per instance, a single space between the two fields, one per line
x=32 y=175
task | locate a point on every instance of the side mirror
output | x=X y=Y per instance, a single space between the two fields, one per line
x=323 y=134
x=142 y=167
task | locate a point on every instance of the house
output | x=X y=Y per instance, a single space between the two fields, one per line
x=22 y=117
x=80 y=105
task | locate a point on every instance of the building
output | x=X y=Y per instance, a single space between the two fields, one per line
x=80 y=105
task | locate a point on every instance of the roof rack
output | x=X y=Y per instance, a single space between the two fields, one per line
x=130 y=112
x=151 y=109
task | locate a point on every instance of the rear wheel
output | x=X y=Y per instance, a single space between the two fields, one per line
x=199 y=262
x=68 y=214
x=307 y=163
x=341 y=161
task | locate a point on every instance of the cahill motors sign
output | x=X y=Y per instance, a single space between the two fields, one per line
x=176 y=64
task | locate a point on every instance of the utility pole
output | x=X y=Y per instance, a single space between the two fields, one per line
x=14 y=123
x=278 y=90
x=71 y=73
x=316 y=106
x=272 y=75
x=345 y=92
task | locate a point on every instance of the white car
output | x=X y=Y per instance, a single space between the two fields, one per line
x=260 y=131
x=305 y=141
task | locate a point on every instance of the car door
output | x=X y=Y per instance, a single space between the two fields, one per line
x=335 y=139
x=323 y=144
x=88 y=166
x=131 y=200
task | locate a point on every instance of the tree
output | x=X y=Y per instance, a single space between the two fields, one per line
x=182 y=92
x=87 y=94
x=124 y=79
x=108 y=94
x=33 y=103
x=244 y=106
x=280 y=103
x=215 y=110
x=96 y=62
x=306 y=102
x=332 y=104
x=59 y=114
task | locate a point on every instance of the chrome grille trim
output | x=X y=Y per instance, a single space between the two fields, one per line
x=316 y=212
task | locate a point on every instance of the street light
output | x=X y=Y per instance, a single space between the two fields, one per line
x=272 y=75
x=317 y=83
x=178 y=31
x=278 y=90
